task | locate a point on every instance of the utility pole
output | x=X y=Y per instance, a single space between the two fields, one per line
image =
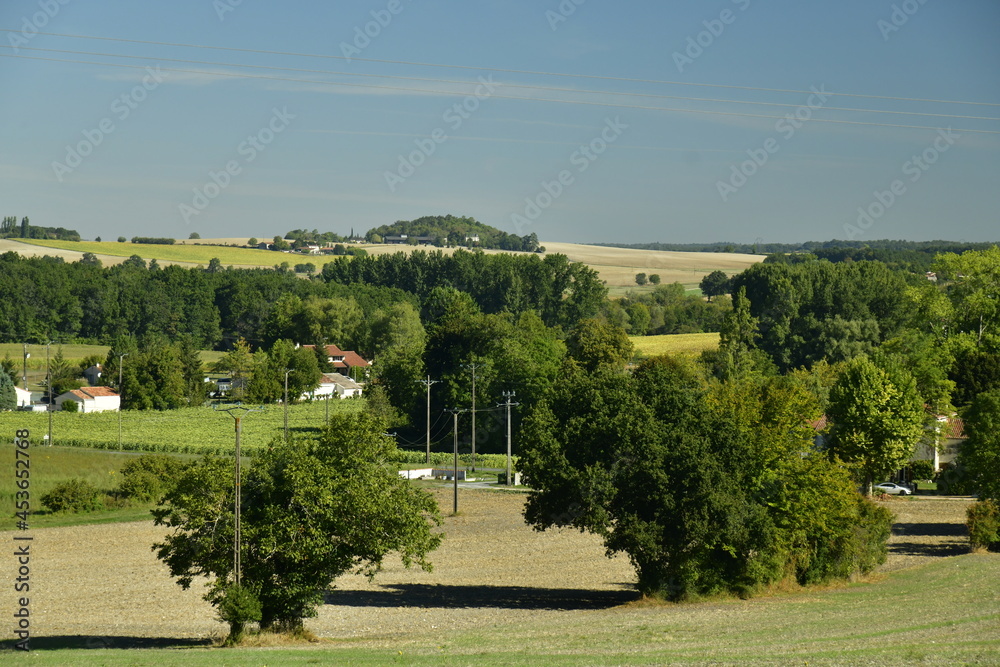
x=428 y=382
x=473 y=367
x=509 y=395
x=121 y=361
x=48 y=388
x=287 y=371
x=454 y=413
x=24 y=370
x=234 y=412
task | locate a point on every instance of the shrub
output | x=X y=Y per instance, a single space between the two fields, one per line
x=75 y=495
x=238 y=606
x=983 y=520
x=70 y=406
x=149 y=477
x=922 y=469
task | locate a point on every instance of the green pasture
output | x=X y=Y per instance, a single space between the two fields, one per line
x=693 y=344
x=944 y=613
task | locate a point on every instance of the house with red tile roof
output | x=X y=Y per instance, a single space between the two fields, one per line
x=345 y=362
x=91 y=399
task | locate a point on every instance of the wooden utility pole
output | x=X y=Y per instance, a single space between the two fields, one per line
x=121 y=394
x=235 y=413
x=428 y=382
x=454 y=413
x=473 y=367
x=509 y=395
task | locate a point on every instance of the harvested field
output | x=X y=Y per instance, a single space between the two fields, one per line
x=101 y=585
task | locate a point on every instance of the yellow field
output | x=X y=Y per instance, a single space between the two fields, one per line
x=616 y=266
x=693 y=344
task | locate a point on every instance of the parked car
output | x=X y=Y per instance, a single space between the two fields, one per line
x=892 y=489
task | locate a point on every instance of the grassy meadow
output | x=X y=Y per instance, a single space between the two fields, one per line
x=50 y=466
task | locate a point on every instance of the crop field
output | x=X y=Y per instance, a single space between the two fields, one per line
x=185 y=254
x=619 y=266
x=200 y=430
x=693 y=344
x=616 y=266
x=932 y=603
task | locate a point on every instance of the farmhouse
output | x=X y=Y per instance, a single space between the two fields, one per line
x=335 y=385
x=90 y=399
x=345 y=362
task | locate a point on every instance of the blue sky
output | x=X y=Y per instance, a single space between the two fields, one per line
x=667 y=126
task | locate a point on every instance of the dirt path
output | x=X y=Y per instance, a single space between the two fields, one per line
x=102 y=585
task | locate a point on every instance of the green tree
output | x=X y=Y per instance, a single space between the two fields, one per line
x=738 y=355
x=704 y=493
x=311 y=511
x=122 y=239
x=8 y=397
x=641 y=279
x=974 y=288
x=63 y=375
x=876 y=421
x=654 y=279
x=252 y=241
x=192 y=370
x=638 y=318
x=980 y=453
x=714 y=284
x=194 y=236
x=594 y=343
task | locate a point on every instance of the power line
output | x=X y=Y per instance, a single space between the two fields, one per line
x=500 y=96
x=580 y=91
x=501 y=69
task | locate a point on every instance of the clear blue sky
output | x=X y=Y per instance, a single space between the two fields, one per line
x=328 y=157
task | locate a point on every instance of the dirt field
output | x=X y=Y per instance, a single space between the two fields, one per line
x=101 y=585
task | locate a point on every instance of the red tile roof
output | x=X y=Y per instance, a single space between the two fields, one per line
x=93 y=392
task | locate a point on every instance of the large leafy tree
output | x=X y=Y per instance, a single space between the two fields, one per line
x=714 y=284
x=705 y=494
x=877 y=417
x=311 y=511
x=980 y=453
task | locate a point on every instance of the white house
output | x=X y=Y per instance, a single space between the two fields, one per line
x=335 y=385
x=91 y=399
x=23 y=397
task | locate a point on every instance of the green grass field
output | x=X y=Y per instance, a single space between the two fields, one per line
x=945 y=613
x=692 y=344
x=188 y=430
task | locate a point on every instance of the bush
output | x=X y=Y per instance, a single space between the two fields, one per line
x=983 y=520
x=149 y=477
x=238 y=606
x=922 y=469
x=75 y=495
x=70 y=406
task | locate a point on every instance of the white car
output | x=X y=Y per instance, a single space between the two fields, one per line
x=892 y=489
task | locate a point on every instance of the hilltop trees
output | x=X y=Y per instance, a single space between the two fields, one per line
x=311 y=511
